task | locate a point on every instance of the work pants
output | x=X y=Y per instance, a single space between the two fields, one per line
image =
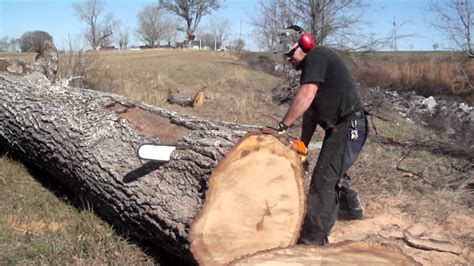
x=329 y=180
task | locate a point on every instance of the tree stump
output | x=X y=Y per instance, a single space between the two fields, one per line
x=255 y=202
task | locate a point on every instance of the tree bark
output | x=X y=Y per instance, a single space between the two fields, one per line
x=87 y=140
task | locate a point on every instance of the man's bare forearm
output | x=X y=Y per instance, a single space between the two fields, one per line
x=302 y=101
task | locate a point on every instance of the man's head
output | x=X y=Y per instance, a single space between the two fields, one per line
x=294 y=44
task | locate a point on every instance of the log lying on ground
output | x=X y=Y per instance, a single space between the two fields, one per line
x=251 y=203
x=196 y=100
x=345 y=253
x=87 y=141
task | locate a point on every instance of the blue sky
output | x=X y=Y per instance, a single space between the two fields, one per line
x=57 y=18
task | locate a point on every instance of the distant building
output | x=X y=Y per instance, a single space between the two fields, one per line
x=107 y=48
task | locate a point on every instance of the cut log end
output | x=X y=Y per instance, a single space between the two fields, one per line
x=199 y=100
x=346 y=253
x=255 y=201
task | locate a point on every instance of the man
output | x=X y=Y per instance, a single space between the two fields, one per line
x=328 y=97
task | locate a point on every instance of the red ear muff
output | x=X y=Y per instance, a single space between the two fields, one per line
x=306 y=42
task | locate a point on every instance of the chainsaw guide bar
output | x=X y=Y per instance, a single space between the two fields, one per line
x=155 y=152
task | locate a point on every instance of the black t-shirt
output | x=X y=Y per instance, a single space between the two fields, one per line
x=337 y=95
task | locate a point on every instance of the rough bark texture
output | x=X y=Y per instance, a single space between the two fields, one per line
x=87 y=140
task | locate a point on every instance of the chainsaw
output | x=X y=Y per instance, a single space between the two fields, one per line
x=298 y=146
x=158 y=152
x=155 y=152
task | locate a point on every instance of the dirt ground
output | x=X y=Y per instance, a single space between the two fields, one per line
x=427 y=243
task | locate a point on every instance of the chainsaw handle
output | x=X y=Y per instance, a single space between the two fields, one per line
x=293 y=143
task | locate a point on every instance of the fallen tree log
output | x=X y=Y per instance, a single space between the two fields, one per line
x=87 y=141
x=196 y=100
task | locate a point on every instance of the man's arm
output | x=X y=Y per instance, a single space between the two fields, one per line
x=303 y=99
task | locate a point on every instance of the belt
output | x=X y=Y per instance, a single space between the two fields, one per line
x=351 y=116
x=347 y=118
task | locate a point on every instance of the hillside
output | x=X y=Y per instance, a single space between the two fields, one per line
x=414 y=195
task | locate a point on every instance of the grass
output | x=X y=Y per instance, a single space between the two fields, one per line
x=229 y=83
x=431 y=198
x=39 y=225
x=427 y=73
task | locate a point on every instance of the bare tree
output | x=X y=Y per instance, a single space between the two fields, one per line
x=14 y=44
x=123 y=38
x=239 y=45
x=332 y=22
x=4 y=44
x=192 y=11
x=219 y=29
x=97 y=32
x=274 y=15
x=329 y=18
x=78 y=62
x=7 y=44
x=455 y=22
x=149 y=25
x=32 y=41
x=170 y=30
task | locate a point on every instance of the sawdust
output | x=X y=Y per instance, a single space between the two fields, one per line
x=426 y=242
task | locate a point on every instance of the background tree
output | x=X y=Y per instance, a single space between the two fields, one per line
x=149 y=25
x=332 y=22
x=454 y=19
x=4 y=44
x=14 y=45
x=192 y=11
x=219 y=28
x=32 y=41
x=239 y=45
x=123 y=38
x=97 y=32
x=274 y=15
x=170 y=30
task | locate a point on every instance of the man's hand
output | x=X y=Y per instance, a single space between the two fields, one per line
x=281 y=128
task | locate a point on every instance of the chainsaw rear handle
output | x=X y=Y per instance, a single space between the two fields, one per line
x=293 y=143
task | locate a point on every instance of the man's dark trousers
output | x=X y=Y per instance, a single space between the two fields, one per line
x=337 y=155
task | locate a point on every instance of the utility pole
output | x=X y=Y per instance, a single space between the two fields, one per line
x=240 y=34
x=394 y=32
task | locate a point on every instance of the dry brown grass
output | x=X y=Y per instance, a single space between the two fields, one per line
x=426 y=73
x=40 y=226
x=234 y=92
